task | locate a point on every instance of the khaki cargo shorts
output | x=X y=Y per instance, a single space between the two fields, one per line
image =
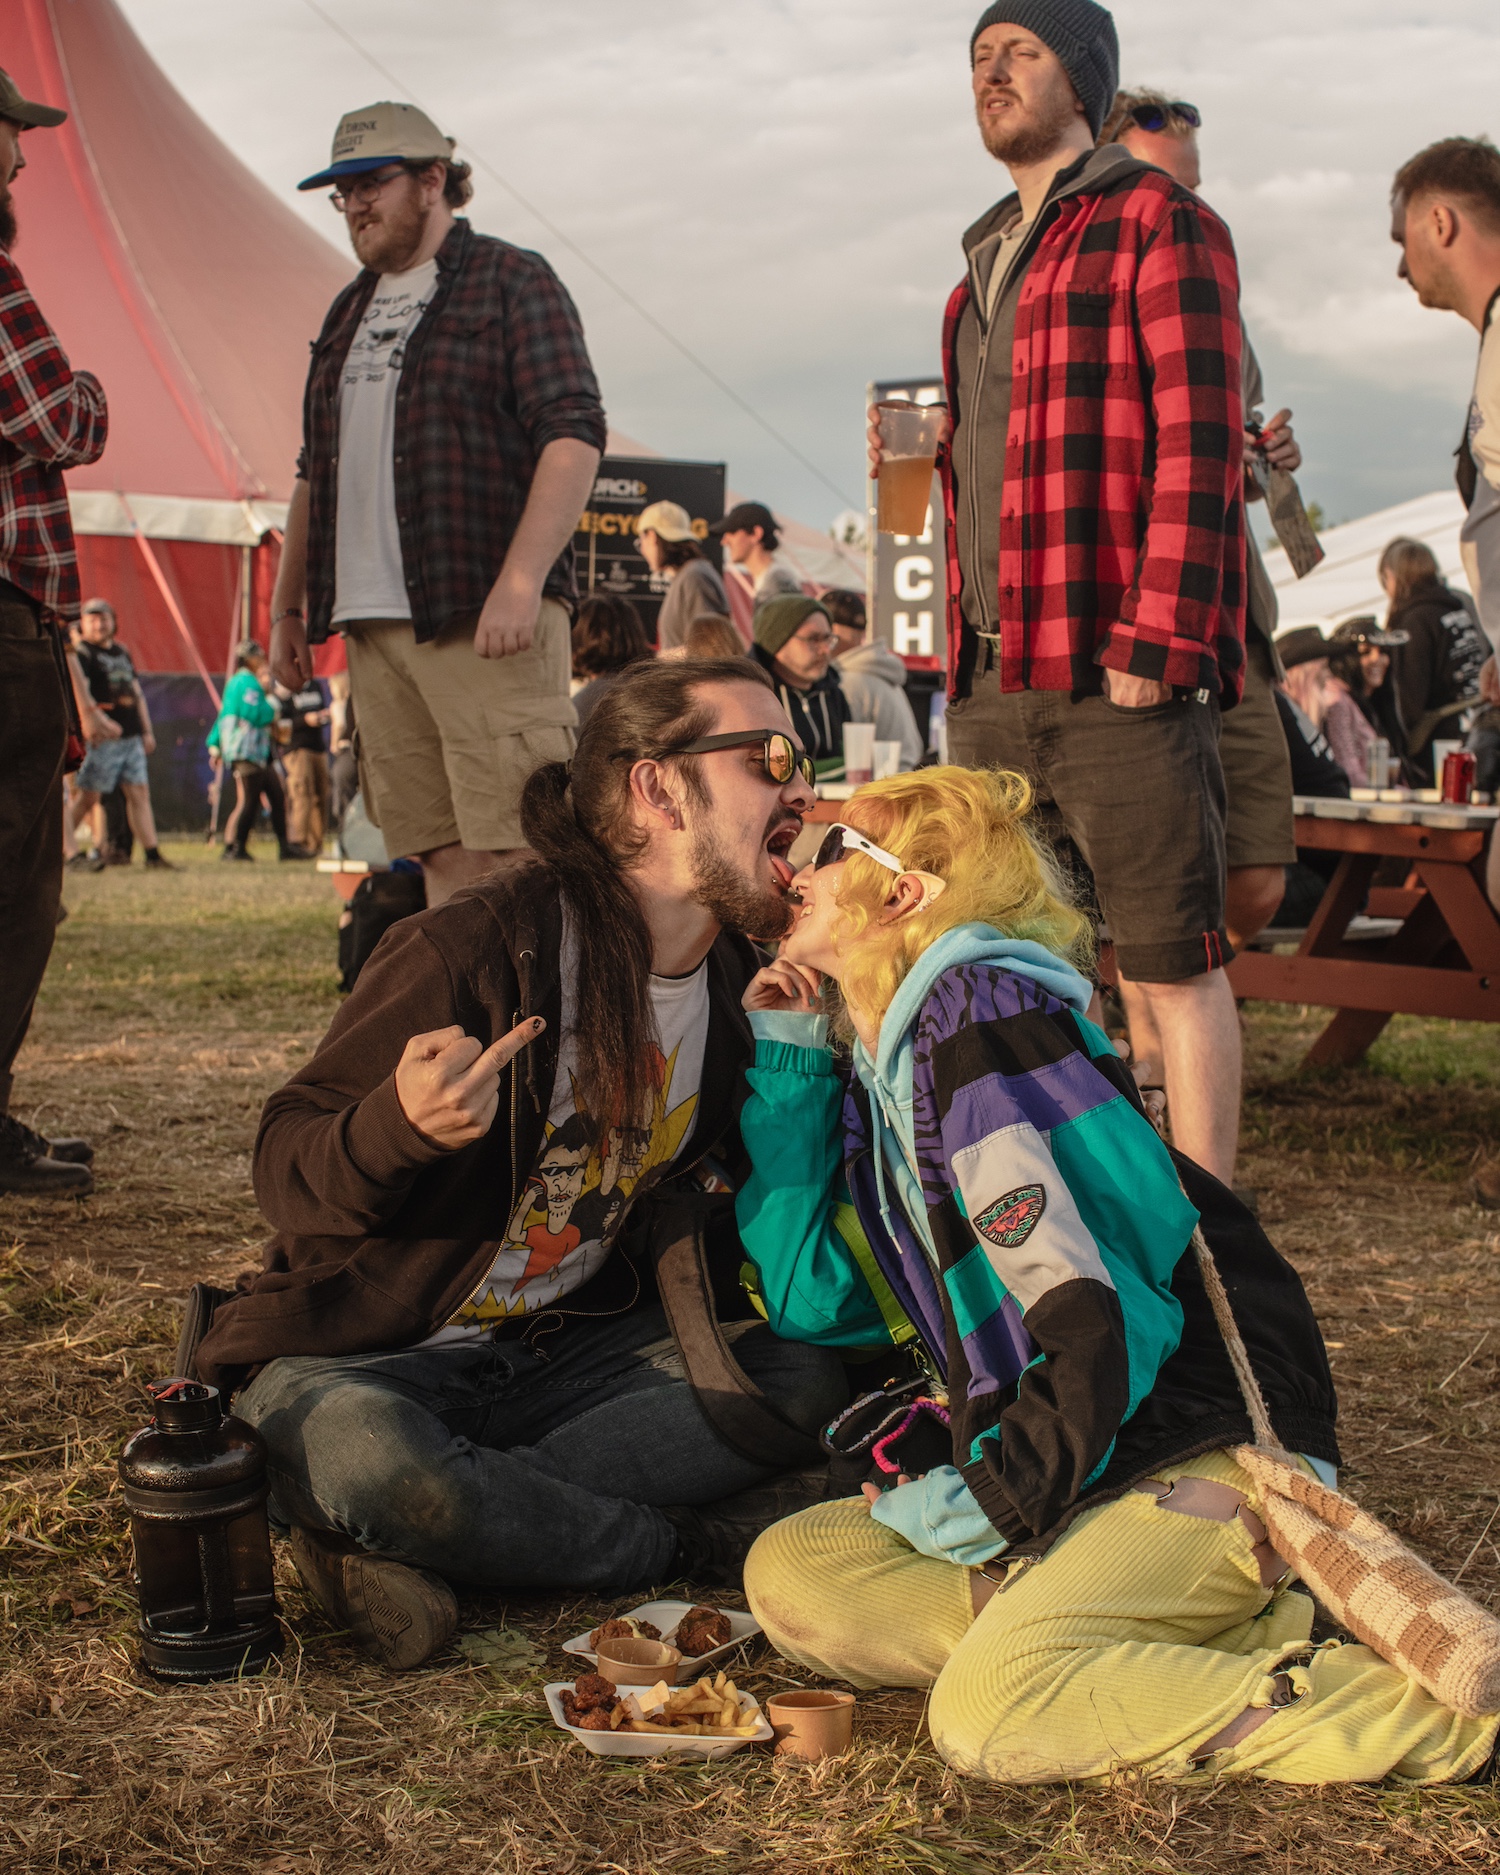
x=446 y=738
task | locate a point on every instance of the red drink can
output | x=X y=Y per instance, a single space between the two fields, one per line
x=1458 y=776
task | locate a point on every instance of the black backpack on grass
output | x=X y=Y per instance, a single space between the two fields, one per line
x=380 y=900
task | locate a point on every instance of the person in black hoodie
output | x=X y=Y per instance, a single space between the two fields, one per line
x=794 y=641
x=1440 y=662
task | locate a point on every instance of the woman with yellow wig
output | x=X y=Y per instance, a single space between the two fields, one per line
x=1052 y=1534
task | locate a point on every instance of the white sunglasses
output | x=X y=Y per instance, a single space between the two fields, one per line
x=840 y=841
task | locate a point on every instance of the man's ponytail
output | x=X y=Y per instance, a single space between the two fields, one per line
x=615 y=1049
x=579 y=820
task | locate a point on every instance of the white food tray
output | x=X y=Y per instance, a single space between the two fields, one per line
x=665 y=1615
x=653 y=1744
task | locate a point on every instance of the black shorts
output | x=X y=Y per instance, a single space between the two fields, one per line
x=1133 y=804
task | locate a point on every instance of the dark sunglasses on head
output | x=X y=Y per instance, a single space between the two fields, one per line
x=781 y=756
x=1159 y=116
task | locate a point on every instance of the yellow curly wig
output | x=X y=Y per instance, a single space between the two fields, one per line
x=968 y=827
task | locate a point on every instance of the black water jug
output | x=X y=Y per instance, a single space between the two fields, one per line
x=195 y=1487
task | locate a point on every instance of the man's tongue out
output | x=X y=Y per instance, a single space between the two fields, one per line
x=783 y=872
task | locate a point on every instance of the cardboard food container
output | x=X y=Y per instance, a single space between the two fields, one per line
x=665 y=1615
x=811 y=1724
x=653 y=1744
x=629 y=1661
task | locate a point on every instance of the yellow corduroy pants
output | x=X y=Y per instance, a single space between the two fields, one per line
x=1138 y=1636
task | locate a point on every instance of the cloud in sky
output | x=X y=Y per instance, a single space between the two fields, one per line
x=784 y=182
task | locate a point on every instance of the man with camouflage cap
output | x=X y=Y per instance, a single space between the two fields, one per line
x=451 y=430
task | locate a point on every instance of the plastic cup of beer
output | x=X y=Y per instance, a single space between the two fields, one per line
x=887 y=760
x=909 y=438
x=859 y=753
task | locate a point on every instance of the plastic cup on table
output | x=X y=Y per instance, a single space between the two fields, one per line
x=909 y=438
x=859 y=753
x=887 y=760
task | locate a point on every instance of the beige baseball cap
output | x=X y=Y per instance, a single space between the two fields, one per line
x=667 y=520
x=23 y=112
x=379 y=134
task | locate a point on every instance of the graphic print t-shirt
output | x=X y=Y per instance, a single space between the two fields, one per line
x=369 y=580
x=110 y=676
x=577 y=1197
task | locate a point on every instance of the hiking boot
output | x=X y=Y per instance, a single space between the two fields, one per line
x=26 y=1168
x=713 y=1540
x=398 y=1614
x=70 y=1150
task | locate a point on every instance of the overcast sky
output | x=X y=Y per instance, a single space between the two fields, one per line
x=783 y=183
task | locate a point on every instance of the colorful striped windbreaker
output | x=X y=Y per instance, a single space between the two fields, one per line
x=1027 y=1221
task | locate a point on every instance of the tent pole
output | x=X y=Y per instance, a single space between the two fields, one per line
x=247 y=602
x=170 y=600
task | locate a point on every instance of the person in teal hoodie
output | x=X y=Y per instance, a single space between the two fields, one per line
x=240 y=739
x=980 y=1185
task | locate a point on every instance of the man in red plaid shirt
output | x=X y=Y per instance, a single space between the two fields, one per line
x=51 y=418
x=1095 y=526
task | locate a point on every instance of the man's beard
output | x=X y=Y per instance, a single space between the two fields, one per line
x=7 y=220
x=739 y=903
x=1022 y=138
x=388 y=247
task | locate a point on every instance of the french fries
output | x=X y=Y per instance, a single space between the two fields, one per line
x=706 y=1709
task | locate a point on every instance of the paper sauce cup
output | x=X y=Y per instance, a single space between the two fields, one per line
x=812 y=1724
x=631 y=1661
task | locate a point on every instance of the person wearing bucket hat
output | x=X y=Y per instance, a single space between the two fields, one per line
x=795 y=643
x=53 y=418
x=452 y=428
x=670 y=546
x=1096 y=658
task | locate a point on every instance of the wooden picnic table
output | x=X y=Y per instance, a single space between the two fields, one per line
x=1443 y=957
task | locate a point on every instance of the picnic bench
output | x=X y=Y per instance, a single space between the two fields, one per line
x=1427 y=947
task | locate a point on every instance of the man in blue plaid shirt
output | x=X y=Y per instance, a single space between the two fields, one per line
x=51 y=418
x=451 y=430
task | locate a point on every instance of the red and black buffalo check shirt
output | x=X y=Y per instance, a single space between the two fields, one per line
x=495 y=369
x=1122 y=519
x=51 y=418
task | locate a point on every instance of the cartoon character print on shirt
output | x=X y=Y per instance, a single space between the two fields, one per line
x=572 y=1206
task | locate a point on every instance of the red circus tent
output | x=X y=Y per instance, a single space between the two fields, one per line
x=192 y=293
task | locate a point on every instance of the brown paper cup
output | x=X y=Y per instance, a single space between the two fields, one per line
x=812 y=1725
x=631 y=1661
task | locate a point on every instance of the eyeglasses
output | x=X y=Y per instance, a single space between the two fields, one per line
x=1158 y=116
x=782 y=758
x=366 y=188
x=815 y=641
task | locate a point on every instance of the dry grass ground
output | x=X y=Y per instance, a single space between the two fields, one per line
x=172 y=1006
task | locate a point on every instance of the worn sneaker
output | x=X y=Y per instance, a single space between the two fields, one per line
x=26 y=1168
x=158 y=862
x=400 y=1615
x=713 y=1540
x=236 y=852
x=85 y=862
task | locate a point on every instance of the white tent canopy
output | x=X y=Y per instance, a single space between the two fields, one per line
x=1346 y=584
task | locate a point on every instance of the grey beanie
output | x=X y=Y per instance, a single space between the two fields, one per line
x=1083 y=37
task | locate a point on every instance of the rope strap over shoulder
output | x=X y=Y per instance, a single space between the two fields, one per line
x=1367 y=1578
